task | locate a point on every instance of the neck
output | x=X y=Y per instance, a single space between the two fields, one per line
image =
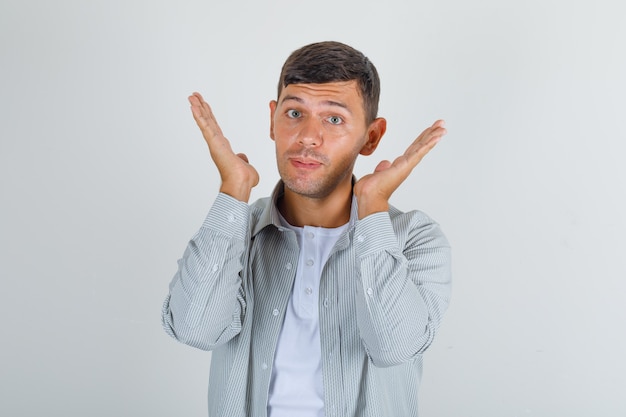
x=330 y=211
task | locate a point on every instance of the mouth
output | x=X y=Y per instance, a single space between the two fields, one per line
x=306 y=159
x=305 y=163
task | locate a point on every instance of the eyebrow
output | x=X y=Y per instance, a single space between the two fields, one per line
x=326 y=102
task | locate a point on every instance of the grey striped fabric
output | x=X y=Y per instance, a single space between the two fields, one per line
x=382 y=296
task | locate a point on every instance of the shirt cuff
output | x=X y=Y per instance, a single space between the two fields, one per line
x=228 y=216
x=374 y=233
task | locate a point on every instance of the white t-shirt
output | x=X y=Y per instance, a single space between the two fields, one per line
x=296 y=388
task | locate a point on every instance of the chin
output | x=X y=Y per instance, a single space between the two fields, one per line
x=308 y=188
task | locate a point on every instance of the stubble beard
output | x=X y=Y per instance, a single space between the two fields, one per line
x=320 y=187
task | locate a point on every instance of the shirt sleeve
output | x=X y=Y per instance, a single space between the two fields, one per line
x=405 y=283
x=206 y=301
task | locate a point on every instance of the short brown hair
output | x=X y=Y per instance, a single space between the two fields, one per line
x=326 y=62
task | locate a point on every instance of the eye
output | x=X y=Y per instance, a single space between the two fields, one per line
x=294 y=114
x=335 y=120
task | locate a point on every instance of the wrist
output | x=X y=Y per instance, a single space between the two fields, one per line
x=365 y=208
x=238 y=191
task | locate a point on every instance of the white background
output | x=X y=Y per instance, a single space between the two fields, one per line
x=104 y=177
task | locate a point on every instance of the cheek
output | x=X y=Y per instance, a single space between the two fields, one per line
x=283 y=132
x=282 y=145
x=350 y=141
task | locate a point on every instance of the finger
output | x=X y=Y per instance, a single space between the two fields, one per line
x=424 y=143
x=243 y=157
x=420 y=149
x=204 y=117
x=195 y=100
x=437 y=129
x=197 y=96
x=207 y=109
x=382 y=165
x=429 y=135
x=198 y=102
x=202 y=107
x=422 y=146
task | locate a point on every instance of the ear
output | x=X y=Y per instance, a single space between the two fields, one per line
x=273 y=105
x=375 y=132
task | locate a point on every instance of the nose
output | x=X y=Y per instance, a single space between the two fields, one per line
x=310 y=134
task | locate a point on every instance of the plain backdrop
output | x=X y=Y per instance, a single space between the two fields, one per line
x=104 y=177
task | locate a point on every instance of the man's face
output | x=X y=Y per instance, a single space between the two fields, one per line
x=319 y=130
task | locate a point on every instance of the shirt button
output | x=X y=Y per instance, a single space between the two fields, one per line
x=369 y=291
x=288 y=265
x=310 y=235
x=215 y=267
x=360 y=238
x=326 y=302
x=309 y=262
x=280 y=229
x=231 y=217
x=275 y=312
x=309 y=291
x=264 y=366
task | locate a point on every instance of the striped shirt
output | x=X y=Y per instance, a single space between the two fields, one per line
x=382 y=295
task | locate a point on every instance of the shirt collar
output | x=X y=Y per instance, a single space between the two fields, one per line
x=270 y=215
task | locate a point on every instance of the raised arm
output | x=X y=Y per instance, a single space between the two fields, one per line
x=206 y=303
x=404 y=263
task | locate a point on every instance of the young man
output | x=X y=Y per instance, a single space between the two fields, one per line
x=318 y=300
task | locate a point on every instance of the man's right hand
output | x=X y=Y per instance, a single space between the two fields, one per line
x=238 y=176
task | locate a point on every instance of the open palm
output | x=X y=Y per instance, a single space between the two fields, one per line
x=238 y=176
x=374 y=190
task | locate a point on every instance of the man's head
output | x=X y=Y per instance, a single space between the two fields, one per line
x=324 y=117
x=326 y=62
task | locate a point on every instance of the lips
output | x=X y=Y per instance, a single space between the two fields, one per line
x=306 y=159
x=305 y=163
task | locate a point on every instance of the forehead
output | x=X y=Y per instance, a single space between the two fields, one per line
x=343 y=93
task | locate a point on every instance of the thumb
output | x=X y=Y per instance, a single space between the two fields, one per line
x=382 y=165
